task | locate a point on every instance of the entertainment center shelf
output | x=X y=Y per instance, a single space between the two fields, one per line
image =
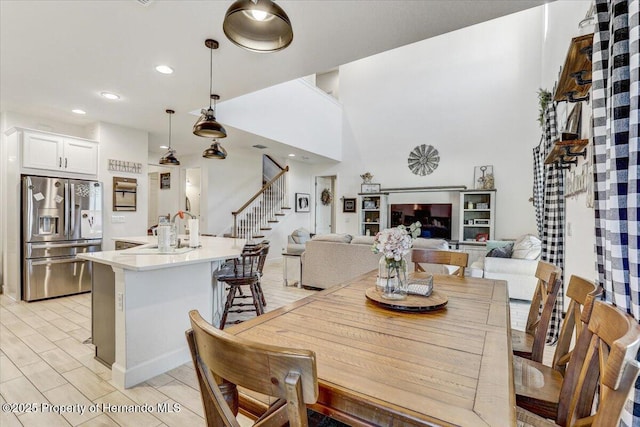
x=373 y=213
x=477 y=215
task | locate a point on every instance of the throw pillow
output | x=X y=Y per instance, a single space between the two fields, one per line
x=300 y=235
x=492 y=244
x=362 y=240
x=501 y=252
x=430 y=243
x=527 y=247
x=339 y=238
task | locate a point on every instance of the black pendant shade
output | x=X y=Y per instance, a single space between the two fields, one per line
x=207 y=126
x=169 y=158
x=258 y=26
x=216 y=151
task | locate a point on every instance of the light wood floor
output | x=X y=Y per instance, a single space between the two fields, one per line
x=44 y=360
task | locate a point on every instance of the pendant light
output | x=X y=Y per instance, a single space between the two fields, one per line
x=169 y=157
x=258 y=26
x=207 y=126
x=216 y=151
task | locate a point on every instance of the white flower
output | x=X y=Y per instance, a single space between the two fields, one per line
x=395 y=243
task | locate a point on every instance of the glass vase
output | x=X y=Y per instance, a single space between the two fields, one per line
x=392 y=278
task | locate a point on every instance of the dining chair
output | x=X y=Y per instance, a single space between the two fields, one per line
x=224 y=362
x=537 y=385
x=530 y=342
x=430 y=256
x=244 y=271
x=603 y=361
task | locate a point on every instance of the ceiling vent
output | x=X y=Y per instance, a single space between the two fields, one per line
x=260 y=146
x=144 y=2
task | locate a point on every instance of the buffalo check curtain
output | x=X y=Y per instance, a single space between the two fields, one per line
x=550 y=210
x=616 y=93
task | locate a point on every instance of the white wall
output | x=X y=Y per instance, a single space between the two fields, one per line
x=579 y=245
x=120 y=143
x=294 y=113
x=470 y=93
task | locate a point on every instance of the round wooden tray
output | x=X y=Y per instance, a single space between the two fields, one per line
x=414 y=303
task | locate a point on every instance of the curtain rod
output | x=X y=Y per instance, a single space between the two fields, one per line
x=423 y=189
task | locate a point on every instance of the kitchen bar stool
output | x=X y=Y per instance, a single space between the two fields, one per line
x=244 y=271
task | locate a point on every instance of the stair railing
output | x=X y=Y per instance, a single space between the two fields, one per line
x=257 y=214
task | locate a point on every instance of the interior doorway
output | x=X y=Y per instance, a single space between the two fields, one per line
x=325 y=212
x=190 y=201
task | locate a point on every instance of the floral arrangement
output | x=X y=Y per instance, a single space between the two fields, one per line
x=395 y=243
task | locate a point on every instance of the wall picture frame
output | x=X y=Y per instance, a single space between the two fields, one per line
x=348 y=205
x=303 y=202
x=165 y=181
x=483 y=178
x=369 y=188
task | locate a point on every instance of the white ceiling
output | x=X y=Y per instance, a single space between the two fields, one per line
x=59 y=55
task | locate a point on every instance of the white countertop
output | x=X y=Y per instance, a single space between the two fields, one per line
x=212 y=249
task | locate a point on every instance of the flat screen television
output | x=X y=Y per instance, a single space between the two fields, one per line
x=434 y=217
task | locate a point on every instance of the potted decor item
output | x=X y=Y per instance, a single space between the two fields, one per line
x=394 y=244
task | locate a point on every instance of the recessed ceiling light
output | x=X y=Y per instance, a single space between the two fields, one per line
x=164 y=69
x=110 y=95
x=164 y=147
x=292 y=155
x=79 y=111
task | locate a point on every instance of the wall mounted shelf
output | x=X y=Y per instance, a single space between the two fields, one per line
x=575 y=79
x=565 y=152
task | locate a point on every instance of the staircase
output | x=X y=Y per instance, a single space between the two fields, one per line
x=259 y=214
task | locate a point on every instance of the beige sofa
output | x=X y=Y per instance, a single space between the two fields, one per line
x=335 y=258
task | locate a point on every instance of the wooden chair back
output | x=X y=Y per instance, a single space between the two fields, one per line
x=604 y=360
x=430 y=256
x=288 y=374
x=542 y=303
x=582 y=293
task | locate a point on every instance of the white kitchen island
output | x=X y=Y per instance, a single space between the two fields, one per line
x=153 y=295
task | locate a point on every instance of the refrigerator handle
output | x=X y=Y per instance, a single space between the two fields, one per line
x=72 y=209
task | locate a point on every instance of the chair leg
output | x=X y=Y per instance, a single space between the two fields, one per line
x=264 y=302
x=227 y=305
x=257 y=302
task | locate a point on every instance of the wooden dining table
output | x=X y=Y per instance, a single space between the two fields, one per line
x=383 y=367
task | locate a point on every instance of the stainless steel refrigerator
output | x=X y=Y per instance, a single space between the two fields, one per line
x=60 y=218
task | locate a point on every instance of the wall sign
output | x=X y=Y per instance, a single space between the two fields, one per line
x=123 y=166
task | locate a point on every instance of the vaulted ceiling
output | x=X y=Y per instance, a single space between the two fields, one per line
x=59 y=55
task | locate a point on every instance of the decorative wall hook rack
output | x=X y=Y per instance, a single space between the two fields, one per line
x=575 y=78
x=572 y=154
x=565 y=153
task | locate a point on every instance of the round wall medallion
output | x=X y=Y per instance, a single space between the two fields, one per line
x=423 y=159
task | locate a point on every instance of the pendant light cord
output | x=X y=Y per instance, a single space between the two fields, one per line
x=169 y=131
x=210 y=75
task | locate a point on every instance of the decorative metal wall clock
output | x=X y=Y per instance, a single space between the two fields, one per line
x=423 y=159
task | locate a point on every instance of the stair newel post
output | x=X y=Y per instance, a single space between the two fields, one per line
x=235 y=224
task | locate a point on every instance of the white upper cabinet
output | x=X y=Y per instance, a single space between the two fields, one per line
x=80 y=156
x=59 y=153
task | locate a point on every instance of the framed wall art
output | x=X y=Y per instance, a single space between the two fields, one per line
x=302 y=202
x=483 y=178
x=348 y=205
x=165 y=181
